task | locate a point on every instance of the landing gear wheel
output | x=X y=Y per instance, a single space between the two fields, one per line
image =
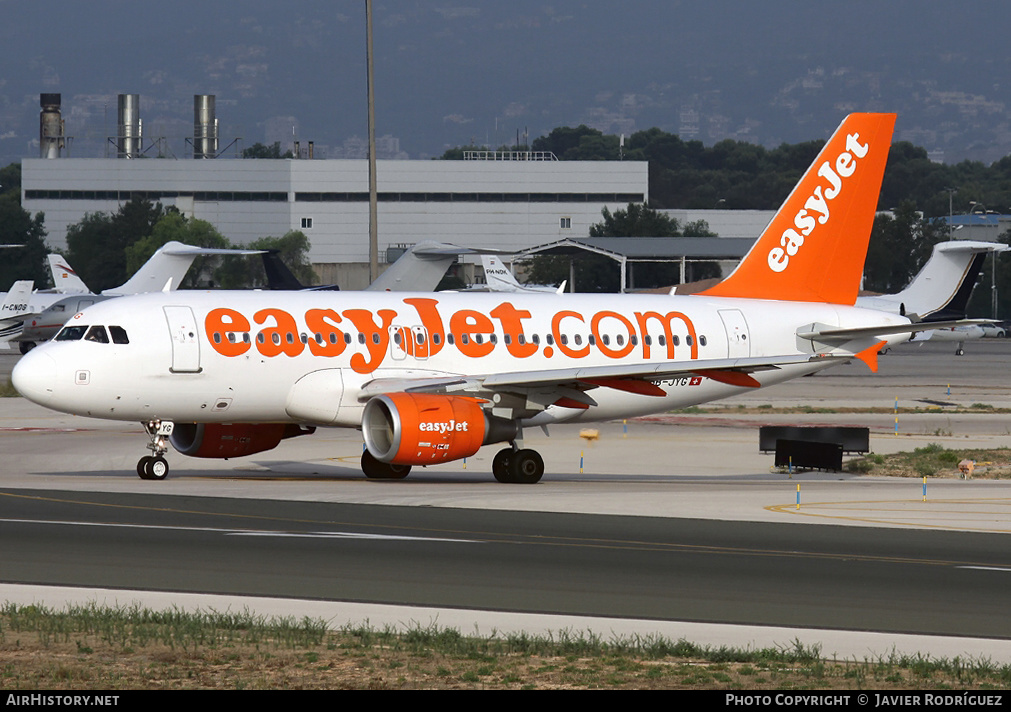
x=158 y=468
x=959 y=352
x=152 y=468
x=26 y=346
x=526 y=467
x=376 y=470
x=500 y=465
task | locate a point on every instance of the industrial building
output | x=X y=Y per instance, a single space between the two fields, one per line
x=506 y=200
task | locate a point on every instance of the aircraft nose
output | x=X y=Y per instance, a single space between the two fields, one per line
x=34 y=376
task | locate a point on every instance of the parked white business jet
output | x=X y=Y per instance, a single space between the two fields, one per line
x=941 y=291
x=65 y=280
x=430 y=378
x=959 y=334
x=164 y=270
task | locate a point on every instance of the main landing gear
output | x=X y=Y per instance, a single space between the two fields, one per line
x=511 y=465
x=518 y=466
x=155 y=466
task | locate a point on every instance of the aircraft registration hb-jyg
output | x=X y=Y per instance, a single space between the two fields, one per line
x=430 y=378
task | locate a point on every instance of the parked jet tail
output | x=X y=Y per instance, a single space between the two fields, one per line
x=14 y=309
x=941 y=290
x=422 y=267
x=166 y=268
x=499 y=279
x=65 y=279
x=799 y=257
x=281 y=278
x=15 y=302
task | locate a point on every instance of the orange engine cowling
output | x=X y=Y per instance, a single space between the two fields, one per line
x=425 y=429
x=223 y=440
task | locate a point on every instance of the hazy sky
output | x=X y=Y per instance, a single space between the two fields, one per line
x=446 y=74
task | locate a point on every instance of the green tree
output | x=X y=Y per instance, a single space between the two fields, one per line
x=96 y=245
x=637 y=220
x=259 y=150
x=10 y=182
x=564 y=139
x=456 y=154
x=736 y=175
x=981 y=303
x=247 y=271
x=900 y=244
x=18 y=227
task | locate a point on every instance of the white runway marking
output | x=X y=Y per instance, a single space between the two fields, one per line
x=246 y=532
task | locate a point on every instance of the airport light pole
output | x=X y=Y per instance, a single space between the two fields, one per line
x=993 y=286
x=373 y=195
x=951 y=192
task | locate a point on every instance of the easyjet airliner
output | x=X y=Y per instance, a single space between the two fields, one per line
x=431 y=378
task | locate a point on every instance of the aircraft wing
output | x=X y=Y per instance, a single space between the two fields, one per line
x=572 y=383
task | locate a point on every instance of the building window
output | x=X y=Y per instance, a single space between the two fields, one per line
x=565 y=223
x=306 y=223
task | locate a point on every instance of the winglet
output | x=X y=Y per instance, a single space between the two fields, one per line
x=815 y=246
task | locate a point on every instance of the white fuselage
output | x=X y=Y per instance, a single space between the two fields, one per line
x=305 y=356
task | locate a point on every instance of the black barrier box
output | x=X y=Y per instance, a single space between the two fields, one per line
x=804 y=453
x=851 y=439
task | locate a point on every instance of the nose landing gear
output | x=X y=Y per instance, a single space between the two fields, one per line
x=152 y=468
x=155 y=466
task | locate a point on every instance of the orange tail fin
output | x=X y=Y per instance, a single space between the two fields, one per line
x=815 y=246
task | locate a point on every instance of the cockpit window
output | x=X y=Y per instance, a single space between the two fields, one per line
x=118 y=334
x=71 y=333
x=97 y=334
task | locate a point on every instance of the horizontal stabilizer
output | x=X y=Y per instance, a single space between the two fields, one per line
x=832 y=335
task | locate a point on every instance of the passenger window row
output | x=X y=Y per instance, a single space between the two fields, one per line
x=464 y=338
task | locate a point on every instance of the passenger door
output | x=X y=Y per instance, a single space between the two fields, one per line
x=185 y=346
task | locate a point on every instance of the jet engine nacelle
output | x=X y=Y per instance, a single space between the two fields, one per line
x=425 y=429
x=223 y=440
